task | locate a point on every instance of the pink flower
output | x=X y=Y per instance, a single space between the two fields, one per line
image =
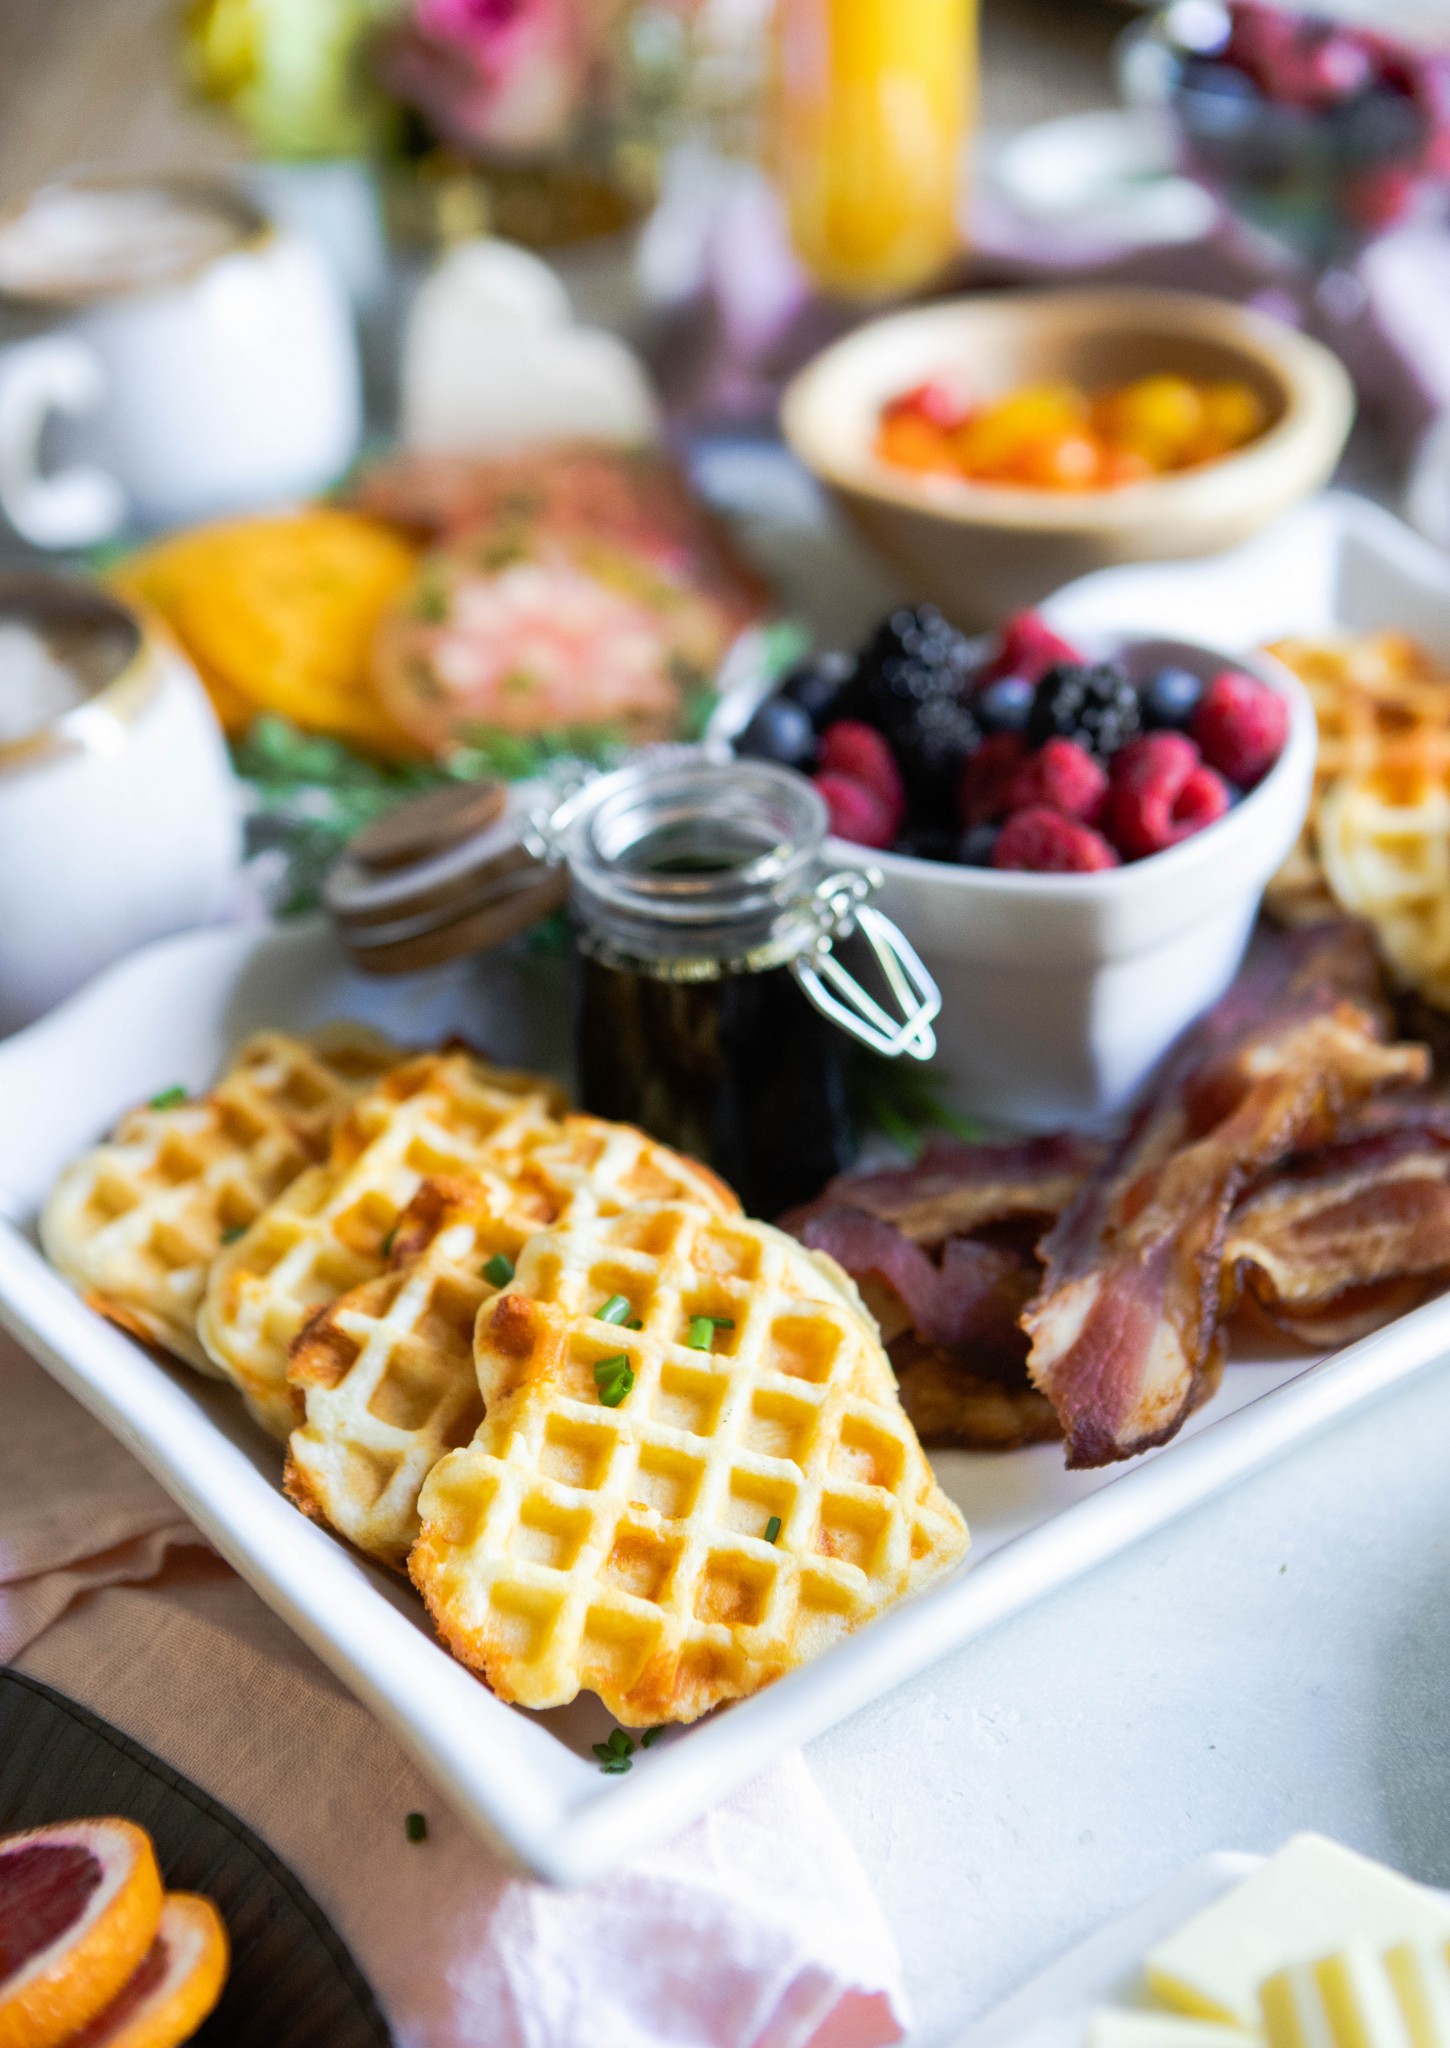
x=495 y=76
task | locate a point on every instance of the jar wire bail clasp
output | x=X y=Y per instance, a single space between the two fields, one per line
x=840 y=905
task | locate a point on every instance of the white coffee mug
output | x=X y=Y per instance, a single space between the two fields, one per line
x=120 y=819
x=181 y=355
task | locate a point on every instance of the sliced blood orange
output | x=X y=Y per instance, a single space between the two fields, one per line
x=80 y=1904
x=176 y=1986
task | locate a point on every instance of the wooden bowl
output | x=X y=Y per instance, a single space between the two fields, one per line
x=982 y=550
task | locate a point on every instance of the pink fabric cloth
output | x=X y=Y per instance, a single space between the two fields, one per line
x=755 y=1928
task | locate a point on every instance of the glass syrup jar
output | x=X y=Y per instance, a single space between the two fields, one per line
x=711 y=1007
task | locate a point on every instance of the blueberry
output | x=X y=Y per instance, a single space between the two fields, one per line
x=1004 y=706
x=780 y=731
x=974 y=848
x=816 y=684
x=1171 y=699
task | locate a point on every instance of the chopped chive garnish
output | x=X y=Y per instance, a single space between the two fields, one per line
x=616 y=1766
x=385 y=1249
x=612 y=1311
x=169 y=1097
x=634 y=1323
x=415 y=1827
x=614 y=1755
x=650 y=1737
x=499 y=1270
x=233 y=1231
x=772 y=1529
x=614 y=1377
x=701 y=1333
x=723 y=1322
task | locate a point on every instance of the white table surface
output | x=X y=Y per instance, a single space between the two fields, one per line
x=1278 y=1660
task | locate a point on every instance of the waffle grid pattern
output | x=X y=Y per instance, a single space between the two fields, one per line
x=624 y=1549
x=136 y=1222
x=386 y=1372
x=444 y=1114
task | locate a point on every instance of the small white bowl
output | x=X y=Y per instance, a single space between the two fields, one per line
x=1061 y=992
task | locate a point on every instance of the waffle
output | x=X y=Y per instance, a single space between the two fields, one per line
x=386 y=1370
x=136 y=1222
x=332 y=1229
x=1377 y=840
x=627 y=1549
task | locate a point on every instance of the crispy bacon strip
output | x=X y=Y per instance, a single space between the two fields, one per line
x=1125 y=1324
x=951 y=1406
x=1336 y=1243
x=955 y=1188
x=970 y=1302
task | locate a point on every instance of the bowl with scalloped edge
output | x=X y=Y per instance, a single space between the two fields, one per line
x=982 y=549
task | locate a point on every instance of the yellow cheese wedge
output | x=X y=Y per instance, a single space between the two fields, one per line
x=1311 y=1900
x=1111 y=2027
x=1421 y=1977
x=1343 y=2001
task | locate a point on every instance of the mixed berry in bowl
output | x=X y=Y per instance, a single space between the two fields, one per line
x=1016 y=753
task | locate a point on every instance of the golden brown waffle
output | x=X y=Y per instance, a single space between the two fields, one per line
x=386 y=1370
x=1377 y=839
x=136 y=1222
x=444 y=1113
x=737 y=1512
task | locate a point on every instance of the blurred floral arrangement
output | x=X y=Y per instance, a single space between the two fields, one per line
x=514 y=87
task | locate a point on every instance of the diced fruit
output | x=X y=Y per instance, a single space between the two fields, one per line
x=1096 y=706
x=907 y=441
x=850 y=748
x=1005 y=705
x=779 y=731
x=986 y=780
x=939 y=400
x=1042 y=841
x=1161 y=794
x=977 y=845
x=1171 y=699
x=1027 y=647
x=815 y=685
x=80 y=1904
x=857 y=813
x=1159 y=418
x=1241 y=727
x=1063 y=776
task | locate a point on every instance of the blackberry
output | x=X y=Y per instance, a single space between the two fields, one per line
x=928 y=842
x=912 y=659
x=930 y=748
x=976 y=846
x=1097 y=706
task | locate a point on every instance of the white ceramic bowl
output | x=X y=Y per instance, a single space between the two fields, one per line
x=1061 y=992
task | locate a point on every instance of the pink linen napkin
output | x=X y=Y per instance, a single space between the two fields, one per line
x=755 y=1928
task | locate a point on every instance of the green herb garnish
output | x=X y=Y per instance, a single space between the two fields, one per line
x=614 y=1377
x=415 y=1827
x=634 y=1323
x=772 y=1529
x=233 y=1232
x=168 y=1098
x=385 y=1249
x=499 y=1270
x=702 y=1330
x=612 y=1311
x=650 y=1737
x=614 y=1755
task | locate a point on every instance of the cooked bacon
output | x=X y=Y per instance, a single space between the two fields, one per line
x=1336 y=1243
x=971 y=1302
x=1125 y=1325
x=951 y=1406
x=955 y=1187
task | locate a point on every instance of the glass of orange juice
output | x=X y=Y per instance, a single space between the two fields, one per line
x=870 y=106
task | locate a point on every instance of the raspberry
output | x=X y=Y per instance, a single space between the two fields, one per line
x=857 y=813
x=1041 y=841
x=1028 y=648
x=1241 y=727
x=986 y=780
x=1062 y=776
x=850 y=748
x=1161 y=793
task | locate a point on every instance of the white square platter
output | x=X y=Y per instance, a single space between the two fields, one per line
x=171 y=1013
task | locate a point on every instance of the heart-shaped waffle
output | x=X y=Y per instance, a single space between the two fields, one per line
x=674 y=1515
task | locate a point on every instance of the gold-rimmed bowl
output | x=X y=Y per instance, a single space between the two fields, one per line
x=980 y=550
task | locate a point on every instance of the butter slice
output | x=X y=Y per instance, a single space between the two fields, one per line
x=1421 y=1977
x=1110 y=2027
x=1310 y=1901
x=1343 y=2001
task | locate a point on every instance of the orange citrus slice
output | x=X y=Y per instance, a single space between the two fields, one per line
x=176 y=1986
x=80 y=1905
